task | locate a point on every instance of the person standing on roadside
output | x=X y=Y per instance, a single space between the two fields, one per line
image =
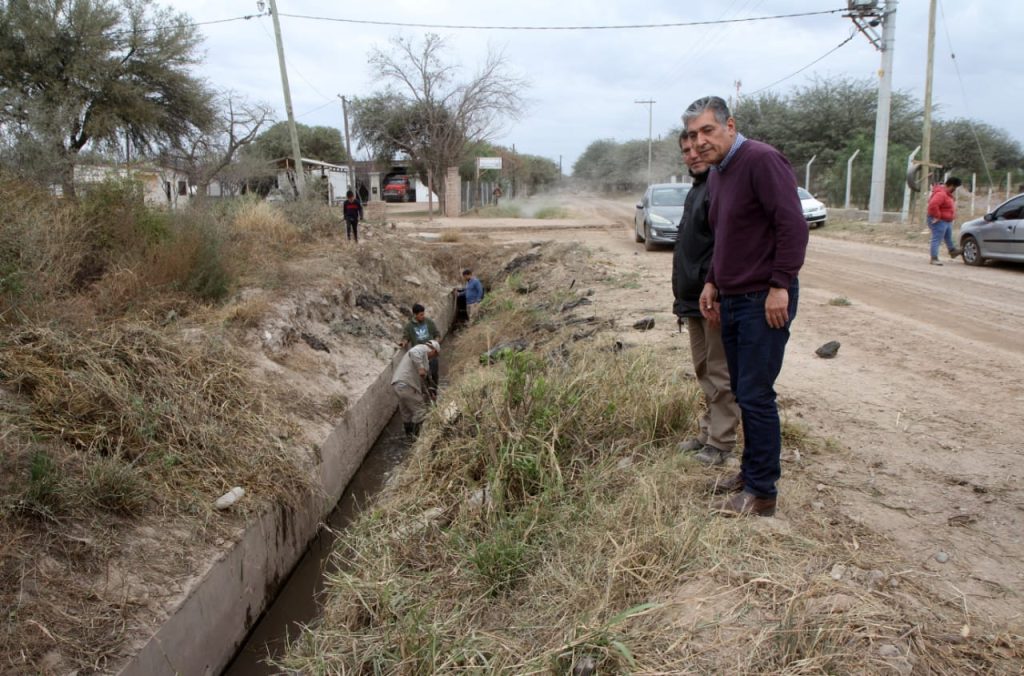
x=418 y=331
x=941 y=212
x=409 y=382
x=751 y=288
x=353 y=212
x=691 y=259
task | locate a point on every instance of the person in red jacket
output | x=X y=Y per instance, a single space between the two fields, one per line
x=941 y=212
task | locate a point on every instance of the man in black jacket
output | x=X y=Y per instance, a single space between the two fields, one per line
x=716 y=435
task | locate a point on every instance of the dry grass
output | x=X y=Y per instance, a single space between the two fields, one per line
x=264 y=223
x=119 y=425
x=550 y=522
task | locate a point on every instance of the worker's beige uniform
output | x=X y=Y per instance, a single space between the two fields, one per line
x=408 y=385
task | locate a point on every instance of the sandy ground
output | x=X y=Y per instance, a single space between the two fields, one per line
x=924 y=401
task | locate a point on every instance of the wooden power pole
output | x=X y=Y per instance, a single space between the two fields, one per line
x=300 y=177
x=926 y=127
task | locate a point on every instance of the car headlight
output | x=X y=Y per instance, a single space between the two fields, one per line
x=660 y=220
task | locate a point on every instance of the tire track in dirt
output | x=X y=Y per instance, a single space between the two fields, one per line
x=985 y=305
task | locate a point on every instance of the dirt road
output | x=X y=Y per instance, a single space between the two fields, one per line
x=923 y=406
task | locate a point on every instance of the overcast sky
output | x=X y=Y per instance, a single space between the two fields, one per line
x=583 y=83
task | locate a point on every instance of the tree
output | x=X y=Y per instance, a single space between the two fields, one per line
x=520 y=173
x=205 y=155
x=967 y=146
x=425 y=113
x=76 y=74
x=317 y=143
x=597 y=163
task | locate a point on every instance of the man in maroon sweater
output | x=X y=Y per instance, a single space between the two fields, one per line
x=751 y=288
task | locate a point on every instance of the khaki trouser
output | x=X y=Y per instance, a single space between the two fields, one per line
x=719 y=422
x=472 y=310
x=411 y=403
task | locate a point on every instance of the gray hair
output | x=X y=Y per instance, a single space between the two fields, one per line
x=716 y=104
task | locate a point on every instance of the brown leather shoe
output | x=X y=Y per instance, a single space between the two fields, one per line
x=745 y=503
x=732 y=484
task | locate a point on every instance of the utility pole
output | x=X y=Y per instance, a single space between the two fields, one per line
x=867 y=16
x=650 y=126
x=300 y=177
x=348 y=148
x=926 y=127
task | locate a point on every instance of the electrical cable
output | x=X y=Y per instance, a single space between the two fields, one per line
x=129 y=31
x=326 y=98
x=795 y=73
x=560 y=28
x=963 y=92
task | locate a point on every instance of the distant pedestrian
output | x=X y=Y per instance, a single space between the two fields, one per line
x=716 y=435
x=410 y=385
x=471 y=294
x=752 y=287
x=941 y=212
x=353 y=212
x=418 y=331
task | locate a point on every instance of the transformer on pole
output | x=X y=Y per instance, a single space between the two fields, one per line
x=867 y=16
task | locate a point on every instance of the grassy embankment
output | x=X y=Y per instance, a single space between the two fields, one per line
x=117 y=414
x=549 y=524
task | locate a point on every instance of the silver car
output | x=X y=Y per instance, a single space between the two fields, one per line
x=658 y=213
x=997 y=236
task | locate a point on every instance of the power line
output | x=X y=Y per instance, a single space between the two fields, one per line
x=963 y=92
x=330 y=101
x=194 y=24
x=561 y=28
x=795 y=73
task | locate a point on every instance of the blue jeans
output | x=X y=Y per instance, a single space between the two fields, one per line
x=754 y=351
x=940 y=230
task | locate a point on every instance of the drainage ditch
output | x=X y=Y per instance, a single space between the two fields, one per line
x=298 y=601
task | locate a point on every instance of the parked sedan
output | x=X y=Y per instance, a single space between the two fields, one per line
x=814 y=211
x=658 y=213
x=998 y=235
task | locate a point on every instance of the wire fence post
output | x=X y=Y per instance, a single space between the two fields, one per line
x=849 y=176
x=905 y=214
x=974 y=191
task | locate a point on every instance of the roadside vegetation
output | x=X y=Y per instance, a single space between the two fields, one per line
x=126 y=406
x=545 y=524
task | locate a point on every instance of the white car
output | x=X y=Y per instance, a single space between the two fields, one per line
x=814 y=211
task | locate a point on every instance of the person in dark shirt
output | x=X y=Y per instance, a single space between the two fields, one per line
x=691 y=259
x=353 y=212
x=751 y=288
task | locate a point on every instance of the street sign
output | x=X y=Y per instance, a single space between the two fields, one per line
x=488 y=163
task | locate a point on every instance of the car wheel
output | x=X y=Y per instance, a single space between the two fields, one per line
x=972 y=253
x=636 y=233
x=648 y=244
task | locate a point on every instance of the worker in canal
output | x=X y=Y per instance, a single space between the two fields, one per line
x=417 y=332
x=411 y=382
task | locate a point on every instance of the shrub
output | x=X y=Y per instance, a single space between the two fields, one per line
x=552 y=213
x=115 y=486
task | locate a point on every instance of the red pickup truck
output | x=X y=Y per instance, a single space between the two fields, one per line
x=398 y=188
